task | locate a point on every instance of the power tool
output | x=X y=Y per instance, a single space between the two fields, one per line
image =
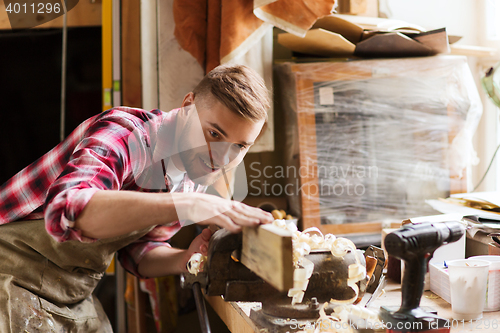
x=415 y=245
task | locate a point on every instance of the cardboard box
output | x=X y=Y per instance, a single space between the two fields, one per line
x=440 y=281
x=346 y=35
x=494 y=249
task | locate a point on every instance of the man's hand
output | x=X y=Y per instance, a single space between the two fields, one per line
x=165 y=260
x=228 y=214
x=200 y=243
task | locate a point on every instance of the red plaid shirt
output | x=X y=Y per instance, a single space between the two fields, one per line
x=94 y=157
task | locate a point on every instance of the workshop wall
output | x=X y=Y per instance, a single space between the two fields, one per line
x=30 y=90
x=265 y=179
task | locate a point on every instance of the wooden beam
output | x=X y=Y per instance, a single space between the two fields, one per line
x=352 y=228
x=233 y=315
x=473 y=51
x=267 y=251
x=107 y=55
x=140 y=300
x=131 y=54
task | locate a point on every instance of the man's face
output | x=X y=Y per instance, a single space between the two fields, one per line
x=228 y=137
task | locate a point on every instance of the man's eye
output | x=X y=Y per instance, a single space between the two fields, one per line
x=214 y=134
x=240 y=146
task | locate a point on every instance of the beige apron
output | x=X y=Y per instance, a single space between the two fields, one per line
x=46 y=286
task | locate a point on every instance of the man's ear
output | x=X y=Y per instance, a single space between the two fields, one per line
x=188 y=99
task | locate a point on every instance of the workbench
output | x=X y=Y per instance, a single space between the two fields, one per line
x=236 y=315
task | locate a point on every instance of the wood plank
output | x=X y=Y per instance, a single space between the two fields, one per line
x=352 y=228
x=473 y=51
x=107 y=55
x=140 y=300
x=308 y=154
x=232 y=314
x=85 y=14
x=131 y=54
x=267 y=251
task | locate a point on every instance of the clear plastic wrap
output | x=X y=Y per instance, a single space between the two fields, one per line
x=371 y=140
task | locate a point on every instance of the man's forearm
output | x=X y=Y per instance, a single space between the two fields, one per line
x=162 y=261
x=115 y=213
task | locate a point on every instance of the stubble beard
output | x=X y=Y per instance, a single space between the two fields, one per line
x=190 y=160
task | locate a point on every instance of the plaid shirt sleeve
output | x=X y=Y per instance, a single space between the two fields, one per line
x=94 y=157
x=99 y=162
x=22 y=196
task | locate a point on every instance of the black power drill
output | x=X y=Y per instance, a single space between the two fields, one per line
x=415 y=245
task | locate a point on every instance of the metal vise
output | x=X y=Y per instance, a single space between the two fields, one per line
x=224 y=275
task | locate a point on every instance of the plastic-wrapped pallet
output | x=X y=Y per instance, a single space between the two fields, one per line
x=369 y=140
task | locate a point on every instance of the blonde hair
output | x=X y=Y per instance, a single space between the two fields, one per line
x=239 y=88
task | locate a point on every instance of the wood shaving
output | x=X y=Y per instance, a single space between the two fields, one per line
x=195 y=263
x=338 y=321
x=312 y=239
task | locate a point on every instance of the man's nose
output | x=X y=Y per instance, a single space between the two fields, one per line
x=222 y=153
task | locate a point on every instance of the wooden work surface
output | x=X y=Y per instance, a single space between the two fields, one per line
x=392 y=296
x=236 y=315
